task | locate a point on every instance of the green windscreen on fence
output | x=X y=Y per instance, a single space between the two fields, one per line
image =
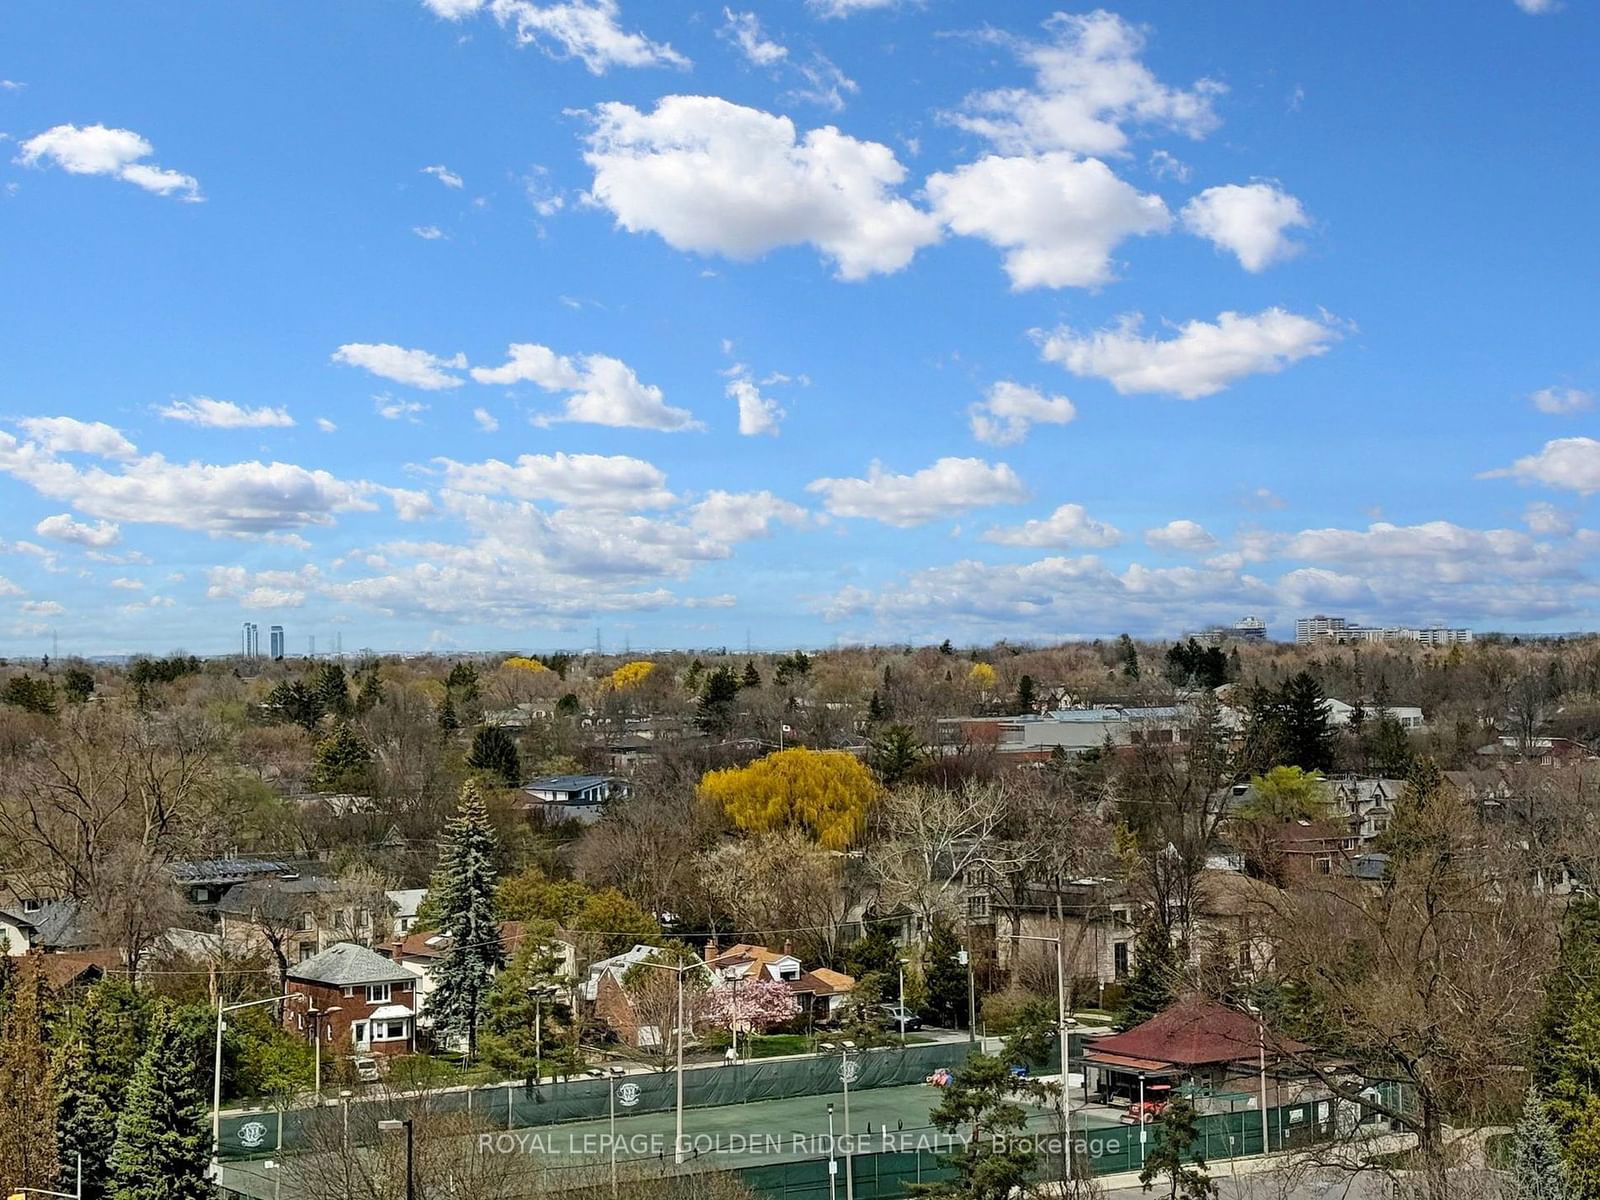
x=514 y=1106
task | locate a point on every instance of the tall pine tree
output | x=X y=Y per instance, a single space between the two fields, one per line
x=1149 y=987
x=97 y=1054
x=1538 y=1171
x=163 y=1147
x=494 y=750
x=1307 y=738
x=466 y=908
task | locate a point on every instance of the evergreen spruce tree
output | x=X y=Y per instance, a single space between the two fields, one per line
x=466 y=887
x=946 y=975
x=27 y=1086
x=1176 y=1155
x=1538 y=1171
x=1129 y=654
x=1027 y=696
x=98 y=1052
x=1149 y=987
x=532 y=986
x=448 y=721
x=1568 y=1037
x=752 y=677
x=332 y=689
x=340 y=761
x=494 y=750
x=715 y=713
x=163 y=1146
x=1307 y=739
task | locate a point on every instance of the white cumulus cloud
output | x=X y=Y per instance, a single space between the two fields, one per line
x=600 y=390
x=949 y=487
x=1250 y=221
x=758 y=414
x=594 y=480
x=713 y=177
x=224 y=414
x=1069 y=526
x=1008 y=410
x=1089 y=84
x=1181 y=537
x=415 y=368
x=1571 y=464
x=100 y=150
x=257 y=498
x=62 y=528
x=1201 y=359
x=1056 y=216
x=68 y=435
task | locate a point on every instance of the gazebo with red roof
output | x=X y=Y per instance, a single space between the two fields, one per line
x=1199 y=1042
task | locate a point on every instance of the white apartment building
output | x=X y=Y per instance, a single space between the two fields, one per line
x=1337 y=629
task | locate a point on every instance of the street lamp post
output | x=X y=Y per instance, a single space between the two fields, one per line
x=1063 y=1023
x=1144 y=1119
x=539 y=993
x=965 y=959
x=315 y=1015
x=216 y=1073
x=410 y=1130
x=833 y=1160
x=611 y=1105
x=678 y=970
x=844 y=1078
x=900 y=1017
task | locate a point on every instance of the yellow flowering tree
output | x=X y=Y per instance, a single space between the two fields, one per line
x=518 y=663
x=823 y=793
x=630 y=675
x=983 y=677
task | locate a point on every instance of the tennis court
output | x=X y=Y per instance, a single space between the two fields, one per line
x=756 y=1133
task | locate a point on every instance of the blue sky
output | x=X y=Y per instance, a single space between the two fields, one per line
x=477 y=323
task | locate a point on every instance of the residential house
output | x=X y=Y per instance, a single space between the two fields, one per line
x=419 y=951
x=204 y=882
x=1097 y=918
x=570 y=797
x=50 y=926
x=404 y=905
x=297 y=917
x=355 y=1000
x=1545 y=751
x=1365 y=805
x=818 y=993
x=1100 y=921
x=604 y=991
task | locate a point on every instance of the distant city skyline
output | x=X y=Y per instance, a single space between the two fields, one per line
x=855 y=323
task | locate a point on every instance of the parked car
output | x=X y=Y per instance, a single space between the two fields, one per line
x=367 y=1070
x=902 y=1019
x=1143 y=1114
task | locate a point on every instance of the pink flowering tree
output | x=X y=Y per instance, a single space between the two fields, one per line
x=748 y=1004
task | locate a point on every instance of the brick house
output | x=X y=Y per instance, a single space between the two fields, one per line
x=366 y=1002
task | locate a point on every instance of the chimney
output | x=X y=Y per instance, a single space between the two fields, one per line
x=788 y=947
x=711 y=950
